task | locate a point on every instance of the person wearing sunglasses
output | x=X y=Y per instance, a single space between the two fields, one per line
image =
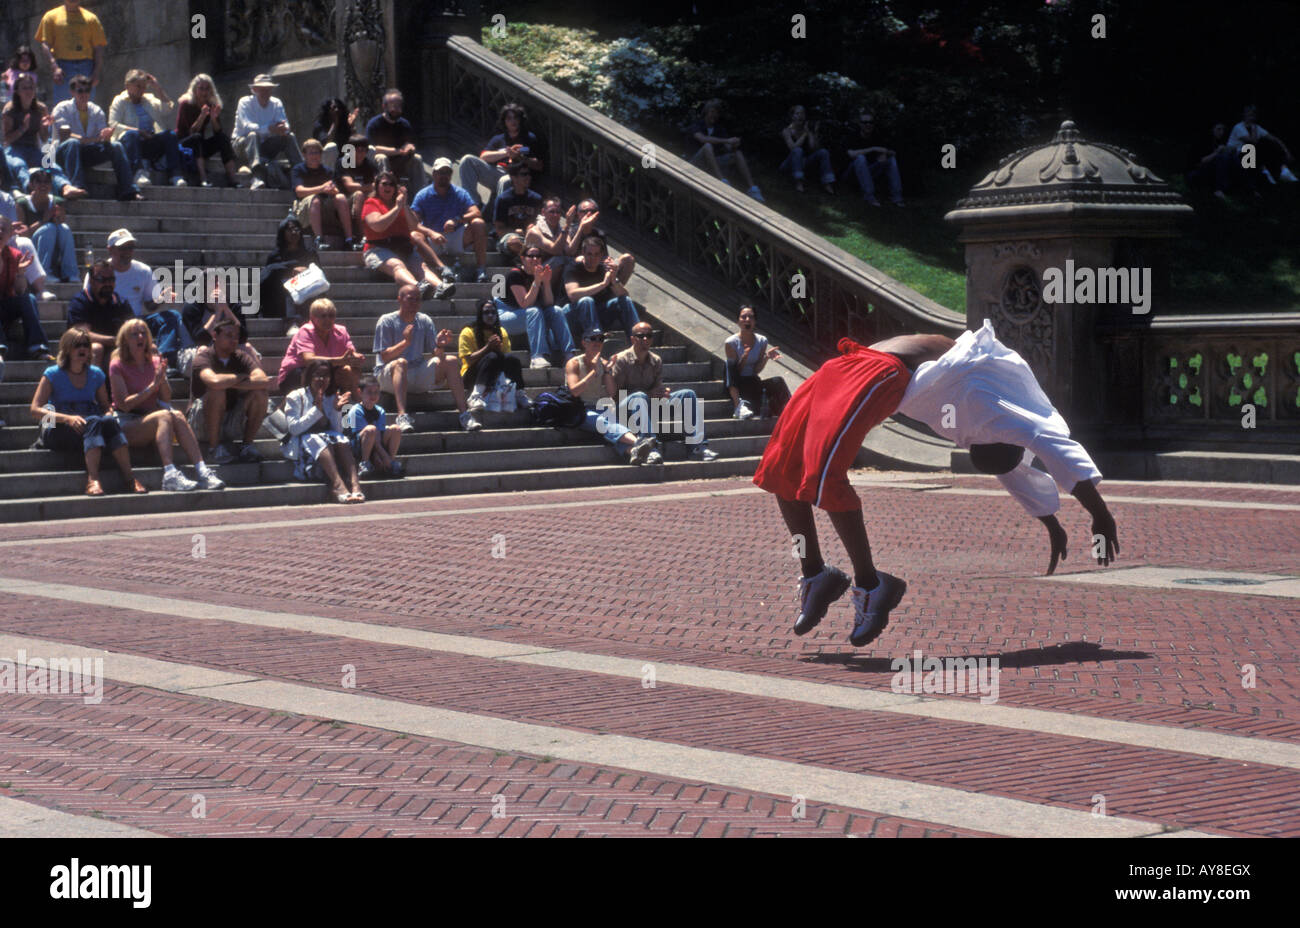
x=519 y=207
x=98 y=311
x=638 y=376
x=89 y=141
x=529 y=306
x=587 y=377
x=71 y=405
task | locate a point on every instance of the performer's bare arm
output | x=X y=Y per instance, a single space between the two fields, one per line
x=915 y=350
x=1103 y=524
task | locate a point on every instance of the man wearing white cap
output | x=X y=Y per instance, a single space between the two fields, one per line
x=450 y=222
x=135 y=286
x=262 y=130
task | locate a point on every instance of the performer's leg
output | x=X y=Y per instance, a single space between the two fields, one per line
x=852 y=529
x=799 y=519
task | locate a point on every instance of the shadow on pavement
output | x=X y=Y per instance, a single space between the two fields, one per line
x=1072 y=652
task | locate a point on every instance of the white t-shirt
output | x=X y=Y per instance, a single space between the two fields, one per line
x=982 y=392
x=133 y=286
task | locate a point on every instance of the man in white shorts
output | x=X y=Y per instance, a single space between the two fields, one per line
x=402 y=339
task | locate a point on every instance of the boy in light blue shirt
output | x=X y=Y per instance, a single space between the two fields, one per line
x=373 y=445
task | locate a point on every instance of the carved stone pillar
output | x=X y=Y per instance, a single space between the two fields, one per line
x=363 y=54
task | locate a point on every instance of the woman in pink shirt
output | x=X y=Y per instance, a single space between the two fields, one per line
x=141 y=400
x=322 y=340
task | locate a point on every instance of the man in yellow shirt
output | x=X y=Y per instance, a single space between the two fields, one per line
x=72 y=41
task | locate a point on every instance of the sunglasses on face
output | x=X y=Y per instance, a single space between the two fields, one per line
x=591 y=210
x=640 y=334
x=598 y=338
x=103 y=280
x=535 y=257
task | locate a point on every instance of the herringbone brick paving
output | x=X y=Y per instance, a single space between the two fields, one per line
x=709 y=582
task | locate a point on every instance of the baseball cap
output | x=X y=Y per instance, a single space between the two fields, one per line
x=120 y=237
x=593 y=332
x=442 y=164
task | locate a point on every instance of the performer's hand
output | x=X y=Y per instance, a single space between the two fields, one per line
x=1103 y=524
x=1058 y=538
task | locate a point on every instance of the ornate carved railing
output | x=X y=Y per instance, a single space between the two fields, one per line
x=820 y=290
x=1188 y=376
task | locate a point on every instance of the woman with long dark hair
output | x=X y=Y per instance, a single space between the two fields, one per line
x=334 y=126
x=27 y=125
x=484 y=355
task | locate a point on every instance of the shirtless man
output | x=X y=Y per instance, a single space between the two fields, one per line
x=973 y=390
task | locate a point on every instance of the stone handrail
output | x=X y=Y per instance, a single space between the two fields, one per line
x=703 y=223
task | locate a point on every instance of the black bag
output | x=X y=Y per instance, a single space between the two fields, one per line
x=560 y=409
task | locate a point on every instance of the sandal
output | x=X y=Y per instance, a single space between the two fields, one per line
x=356 y=497
x=345 y=497
x=139 y=487
x=93 y=488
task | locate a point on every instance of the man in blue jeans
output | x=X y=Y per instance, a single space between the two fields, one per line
x=140 y=122
x=90 y=141
x=595 y=285
x=15 y=300
x=874 y=164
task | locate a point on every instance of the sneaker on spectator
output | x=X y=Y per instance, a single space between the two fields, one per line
x=539 y=363
x=447 y=274
x=365 y=469
x=210 y=481
x=481 y=277
x=221 y=454
x=444 y=290
x=257 y=184
x=654 y=457
x=291 y=331
x=396 y=469
x=48 y=296
x=248 y=455
x=469 y=423
x=476 y=403
x=424 y=287
x=641 y=450
x=703 y=453
x=405 y=423
x=743 y=411
x=179 y=181
x=177 y=482
x=142 y=178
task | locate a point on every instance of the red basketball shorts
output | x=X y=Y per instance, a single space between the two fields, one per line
x=824 y=424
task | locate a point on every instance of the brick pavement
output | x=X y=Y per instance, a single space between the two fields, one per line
x=705 y=582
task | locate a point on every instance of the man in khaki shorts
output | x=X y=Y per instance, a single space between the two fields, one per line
x=402 y=339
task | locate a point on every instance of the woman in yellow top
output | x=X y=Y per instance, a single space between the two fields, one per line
x=484 y=354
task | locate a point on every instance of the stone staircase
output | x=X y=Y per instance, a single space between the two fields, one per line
x=216 y=226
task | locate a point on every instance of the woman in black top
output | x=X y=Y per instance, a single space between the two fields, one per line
x=334 y=126
x=290 y=257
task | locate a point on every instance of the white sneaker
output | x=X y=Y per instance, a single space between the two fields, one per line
x=654 y=457
x=142 y=179
x=177 y=482
x=48 y=296
x=743 y=411
x=539 y=363
x=476 y=403
x=257 y=184
x=704 y=454
x=210 y=481
x=469 y=423
x=404 y=423
x=179 y=182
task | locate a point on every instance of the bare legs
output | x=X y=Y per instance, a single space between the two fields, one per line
x=848 y=525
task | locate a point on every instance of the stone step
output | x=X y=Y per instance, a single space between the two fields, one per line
x=502 y=432
x=91 y=210
x=612 y=473
x=204 y=196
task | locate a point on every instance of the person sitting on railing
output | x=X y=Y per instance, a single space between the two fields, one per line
x=718 y=147
x=514 y=144
x=388 y=223
x=392 y=141
x=450 y=222
x=1271 y=153
x=873 y=163
x=595 y=286
x=747 y=355
x=334 y=128
x=71 y=404
x=805 y=148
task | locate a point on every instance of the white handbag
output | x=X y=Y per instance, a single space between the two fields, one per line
x=308 y=285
